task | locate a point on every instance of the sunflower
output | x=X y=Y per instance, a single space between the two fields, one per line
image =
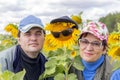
x=114 y=51
x=77 y=19
x=114 y=38
x=53 y=43
x=114 y=44
x=73 y=54
x=12 y=29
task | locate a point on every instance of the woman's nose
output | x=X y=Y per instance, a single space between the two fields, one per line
x=89 y=47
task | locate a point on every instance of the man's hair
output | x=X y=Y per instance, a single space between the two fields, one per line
x=18 y=35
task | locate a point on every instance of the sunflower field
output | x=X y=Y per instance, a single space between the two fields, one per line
x=114 y=47
x=10 y=39
x=63 y=51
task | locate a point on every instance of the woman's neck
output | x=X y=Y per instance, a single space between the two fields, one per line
x=92 y=66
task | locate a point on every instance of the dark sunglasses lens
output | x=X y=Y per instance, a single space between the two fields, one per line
x=56 y=34
x=67 y=32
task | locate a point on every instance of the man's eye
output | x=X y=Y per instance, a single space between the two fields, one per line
x=38 y=33
x=27 y=34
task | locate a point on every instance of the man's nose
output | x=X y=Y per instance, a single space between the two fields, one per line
x=33 y=37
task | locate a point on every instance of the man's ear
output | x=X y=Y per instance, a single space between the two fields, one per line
x=18 y=39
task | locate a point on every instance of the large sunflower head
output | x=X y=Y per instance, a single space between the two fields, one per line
x=114 y=44
x=114 y=51
x=62 y=33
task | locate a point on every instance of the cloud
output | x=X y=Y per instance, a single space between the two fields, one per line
x=13 y=11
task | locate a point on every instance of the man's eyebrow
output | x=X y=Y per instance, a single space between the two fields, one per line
x=28 y=32
x=39 y=31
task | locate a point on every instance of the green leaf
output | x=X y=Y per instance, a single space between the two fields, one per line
x=72 y=76
x=68 y=51
x=49 y=71
x=77 y=63
x=7 y=75
x=41 y=77
x=116 y=65
x=51 y=63
x=59 y=69
x=19 y=75
x=50 y=54
x=61 y=57
x=60 y=50
x=59 y=76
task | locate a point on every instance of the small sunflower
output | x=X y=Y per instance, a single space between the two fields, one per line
x=73 y=54
x=12 y=29
x=53 y=43
x=77 y=19
x=114 y=38
x=114 y=51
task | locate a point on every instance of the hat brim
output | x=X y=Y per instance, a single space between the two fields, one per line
x=64 y=20
x=90 y=33
x=28 y=27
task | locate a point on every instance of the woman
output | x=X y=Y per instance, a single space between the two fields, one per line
x=93 y=46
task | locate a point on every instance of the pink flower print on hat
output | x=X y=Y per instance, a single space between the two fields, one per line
x=98 y=29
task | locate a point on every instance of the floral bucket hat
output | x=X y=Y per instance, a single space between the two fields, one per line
x=98 y=29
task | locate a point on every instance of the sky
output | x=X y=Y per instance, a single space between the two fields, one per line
x=12 y=11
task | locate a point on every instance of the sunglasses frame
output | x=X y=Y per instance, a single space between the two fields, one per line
x=64 y=33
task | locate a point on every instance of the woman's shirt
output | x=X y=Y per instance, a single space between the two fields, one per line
x=91 y=67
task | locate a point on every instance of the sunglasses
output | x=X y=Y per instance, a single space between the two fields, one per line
x=64 y=33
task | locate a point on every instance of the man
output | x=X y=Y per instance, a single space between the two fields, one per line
x=26 y=55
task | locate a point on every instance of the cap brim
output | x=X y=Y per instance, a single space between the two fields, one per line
x=28 y=27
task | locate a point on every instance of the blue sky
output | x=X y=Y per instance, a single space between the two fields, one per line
x=12 y=11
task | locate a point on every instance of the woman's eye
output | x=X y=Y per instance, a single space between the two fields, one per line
x=86 y=42
x=96 y=44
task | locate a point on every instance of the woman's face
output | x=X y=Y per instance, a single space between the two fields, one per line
x=91 y=48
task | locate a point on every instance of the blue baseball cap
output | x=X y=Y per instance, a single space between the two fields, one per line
x=29 y=22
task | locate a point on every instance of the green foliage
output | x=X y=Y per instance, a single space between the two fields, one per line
x=76 y=62
x=59 y=63
x=7 y=41
x=59 y=76
x=8 y=75
x=116 y=65
x=111 y=21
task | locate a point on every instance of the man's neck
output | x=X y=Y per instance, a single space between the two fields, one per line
x=32 y=55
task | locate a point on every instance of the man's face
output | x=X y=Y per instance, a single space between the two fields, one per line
x=32 y=41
